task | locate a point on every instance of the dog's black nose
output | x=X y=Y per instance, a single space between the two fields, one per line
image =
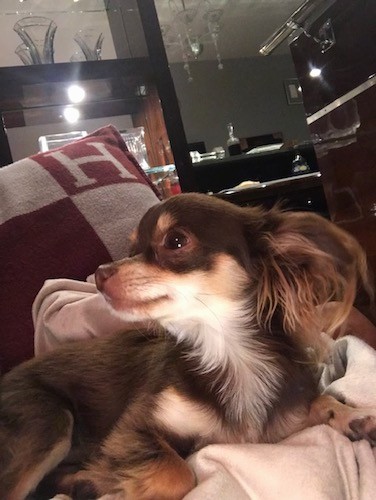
x=103 y=273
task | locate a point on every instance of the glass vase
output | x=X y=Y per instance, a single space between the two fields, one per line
x=24 y=54
x=90 y=42
x=37 y=34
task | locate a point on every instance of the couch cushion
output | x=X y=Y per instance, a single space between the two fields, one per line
x=62 y=213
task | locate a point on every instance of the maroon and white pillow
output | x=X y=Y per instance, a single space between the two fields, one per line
x=63 y=213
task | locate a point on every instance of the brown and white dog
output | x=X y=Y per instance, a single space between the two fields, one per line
x=233 y=297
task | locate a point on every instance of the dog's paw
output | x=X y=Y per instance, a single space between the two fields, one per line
x=363 y=428
x=354 y=423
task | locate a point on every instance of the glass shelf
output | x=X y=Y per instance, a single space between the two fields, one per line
x=161 y=170
x=38 y=7
x=166 y=179
x=84 y=30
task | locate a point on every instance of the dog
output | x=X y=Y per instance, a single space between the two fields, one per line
x=232 y=299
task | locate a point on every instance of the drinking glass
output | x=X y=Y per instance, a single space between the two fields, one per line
x=134 y=138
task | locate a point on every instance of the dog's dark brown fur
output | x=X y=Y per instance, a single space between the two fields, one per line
x=233 y=297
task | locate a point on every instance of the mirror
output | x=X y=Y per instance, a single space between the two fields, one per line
x=220 y=76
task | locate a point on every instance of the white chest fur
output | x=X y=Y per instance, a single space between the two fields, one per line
x=187 y=418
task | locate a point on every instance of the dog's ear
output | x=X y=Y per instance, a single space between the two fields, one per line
x=300 y=263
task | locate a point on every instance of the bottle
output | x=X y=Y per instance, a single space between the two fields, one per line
x=233 y=143
x=299 y=165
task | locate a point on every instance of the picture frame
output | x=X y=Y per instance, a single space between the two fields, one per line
x=293 y=91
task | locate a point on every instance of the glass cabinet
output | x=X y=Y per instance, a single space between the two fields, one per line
x=70 y=67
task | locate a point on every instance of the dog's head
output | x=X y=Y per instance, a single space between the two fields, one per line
x=198 y=259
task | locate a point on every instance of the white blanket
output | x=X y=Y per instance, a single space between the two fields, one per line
x=317 y=463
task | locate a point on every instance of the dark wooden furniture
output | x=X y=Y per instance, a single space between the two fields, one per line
x=166 y=91
x=303 y=192
x=216 y=175
x=41 y=90
x=341 y=109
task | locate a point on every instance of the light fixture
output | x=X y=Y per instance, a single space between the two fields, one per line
x=76 y=93
x=195 y=24
x=213 y=17
x=315 y=72
x=71 y=114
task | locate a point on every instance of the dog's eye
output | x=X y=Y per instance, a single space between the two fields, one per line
x=175 y=239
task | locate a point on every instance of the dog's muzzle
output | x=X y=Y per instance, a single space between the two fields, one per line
x=102 y=274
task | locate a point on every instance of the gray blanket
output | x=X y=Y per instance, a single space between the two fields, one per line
x=317 y=463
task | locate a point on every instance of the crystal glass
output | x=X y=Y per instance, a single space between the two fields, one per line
x=90 y=42
x=37 y=34
x=299 y=165
x=195 y=156
x=219 y=152
x=48 y=142
x=166 y=179
x=134 y=138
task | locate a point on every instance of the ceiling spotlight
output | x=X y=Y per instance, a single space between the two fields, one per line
x=72 y=115
x=315 y=72
x=76 y=93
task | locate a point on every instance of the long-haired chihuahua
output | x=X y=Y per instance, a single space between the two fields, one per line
x=233 y=300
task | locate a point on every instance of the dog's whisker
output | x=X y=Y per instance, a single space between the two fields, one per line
x=212 y=312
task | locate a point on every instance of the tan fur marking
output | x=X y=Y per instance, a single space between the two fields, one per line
x=228 y=277
x=32 y=477
x=163 y=477
x=133 y=236
x=169 y=478
x=165 y=222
